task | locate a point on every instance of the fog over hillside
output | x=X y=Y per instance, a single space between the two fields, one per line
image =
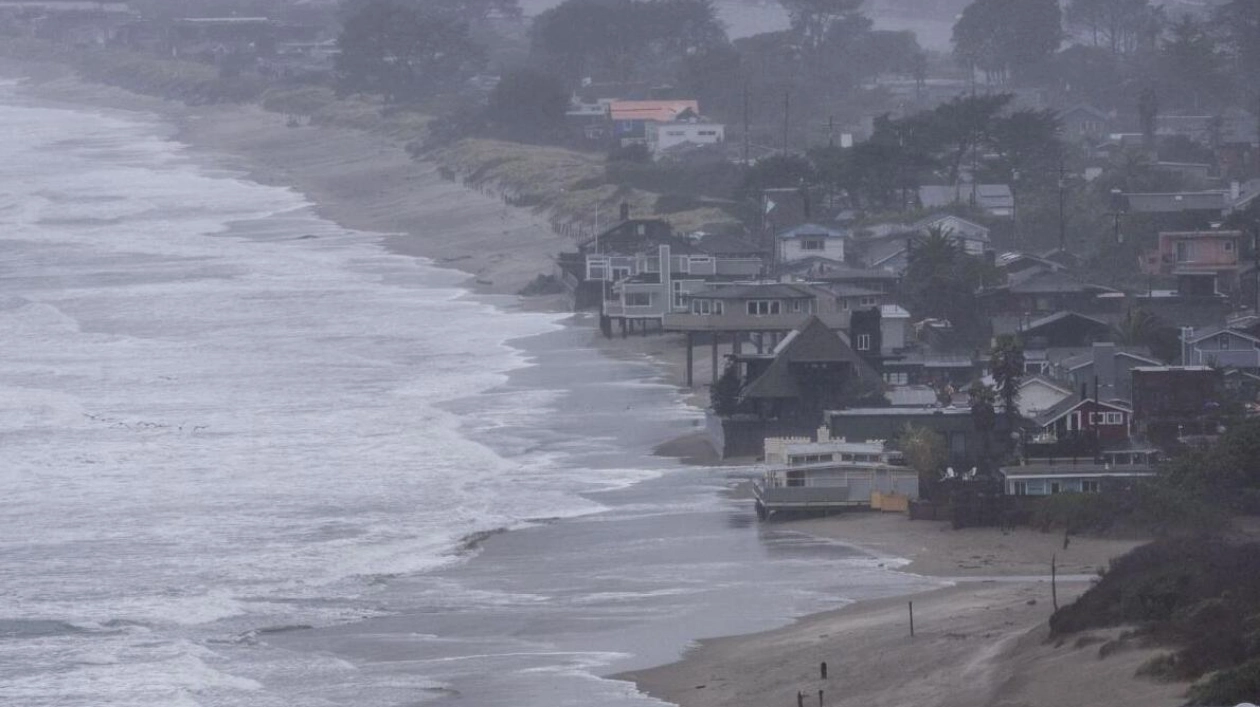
x=931 y=21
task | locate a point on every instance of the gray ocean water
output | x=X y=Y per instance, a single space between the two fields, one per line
x=251 y=458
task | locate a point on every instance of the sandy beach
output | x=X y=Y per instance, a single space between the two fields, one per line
x=361 y=180
x=982 y=641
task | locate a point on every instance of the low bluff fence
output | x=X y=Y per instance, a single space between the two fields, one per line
x=573 y=229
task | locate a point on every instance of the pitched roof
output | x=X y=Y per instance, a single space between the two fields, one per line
x=656 y=111
x=1072 y=363
x=1060 y=316
x=955 y=226
x=811 y=342
x=1210 y=332
x=1055 y=412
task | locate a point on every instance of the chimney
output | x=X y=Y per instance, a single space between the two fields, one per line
x=824 y=434
x=1235 y=191
x=625 y=211
x=1104 y=354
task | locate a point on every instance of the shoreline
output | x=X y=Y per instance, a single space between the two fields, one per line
x=368 y=182
x=360 y=180
x=983 y=640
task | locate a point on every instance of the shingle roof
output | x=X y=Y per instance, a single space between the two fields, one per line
x=812 y=342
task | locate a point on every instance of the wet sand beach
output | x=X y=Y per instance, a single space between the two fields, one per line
x=979 y=642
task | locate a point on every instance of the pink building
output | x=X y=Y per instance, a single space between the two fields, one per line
x=1205 y=262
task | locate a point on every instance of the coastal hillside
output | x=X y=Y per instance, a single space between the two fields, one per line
x=1198 y=598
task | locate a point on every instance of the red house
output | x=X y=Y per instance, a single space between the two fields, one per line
x=1083 y=424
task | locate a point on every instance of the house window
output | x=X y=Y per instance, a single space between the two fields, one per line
x=1185 y=251
x=678 y=294
x=897 y=378
x=796 y=305
x=844 y=304
x=1056 y=487
x=1090 y=486
x=619 y=274
x=1229 y=246
x=638 y=299
x=1112 y=418
x=864 y=342
x=675 y=133
x=708 y=133
x=868 y=302
x=595 y=271
x=813 y=244
x=764 y=307
x=1019 y=488
x=717 y=307
x=1222 y=342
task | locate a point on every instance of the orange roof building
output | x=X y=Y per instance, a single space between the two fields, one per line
x=653 y=111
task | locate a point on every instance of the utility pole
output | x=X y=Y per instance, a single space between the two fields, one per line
x=745 y=124
x=1062 y=207
x=787 y=107
x=831 y=131
x=1255 y=263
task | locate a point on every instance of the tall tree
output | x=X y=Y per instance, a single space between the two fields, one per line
x=1148 y=111
x=528 y=105
x=926 y=452
x=1121 y=25
x=812 y=20
x=402 y=52
x=1006 y=365
x=1192 y=66
x=1239 y=22
x=1005 y=37
x=623 y=40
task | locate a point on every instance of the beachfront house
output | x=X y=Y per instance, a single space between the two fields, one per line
x=804 y=475
x=1110 y=472
x=963 y=443
x=785 y=392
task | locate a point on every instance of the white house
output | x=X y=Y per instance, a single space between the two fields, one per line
x=971 y=236
x=1038 y=394
x=662 y=137
x=809 y=240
